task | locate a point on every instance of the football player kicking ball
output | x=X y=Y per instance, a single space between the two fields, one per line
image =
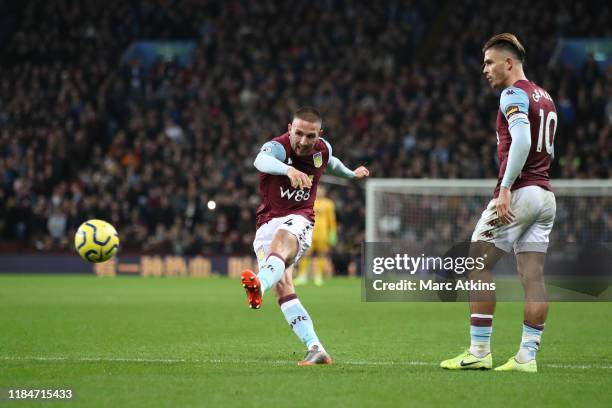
x=290 y=167
x=522 y=212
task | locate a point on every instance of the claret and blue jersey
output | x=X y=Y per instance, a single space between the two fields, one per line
x=278 y=198
x=527 y=103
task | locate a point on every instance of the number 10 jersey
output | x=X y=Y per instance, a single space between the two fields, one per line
x=526 y=101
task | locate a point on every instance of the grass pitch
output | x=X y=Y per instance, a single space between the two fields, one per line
x=193 y=342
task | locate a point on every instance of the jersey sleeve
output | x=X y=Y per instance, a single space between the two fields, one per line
x=329 y=148
x=514 y=104
x=270 y=159
x=274 y=149
x=335 y=166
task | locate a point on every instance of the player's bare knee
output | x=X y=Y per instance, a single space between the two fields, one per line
x=530 y=267
x=480 y=274
x=284 y=237
x=487 y=253
x=531 y=274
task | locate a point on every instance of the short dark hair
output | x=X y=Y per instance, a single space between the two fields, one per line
x=308 y=113
x=507 y=42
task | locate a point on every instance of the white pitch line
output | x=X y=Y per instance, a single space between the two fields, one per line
x=201 y=361
x=270 y=362
x=578 y=366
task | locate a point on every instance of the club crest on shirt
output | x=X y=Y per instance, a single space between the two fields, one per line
x=261 y=254
x=317 y=158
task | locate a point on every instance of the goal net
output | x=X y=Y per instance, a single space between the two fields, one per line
x=430 y=219
x=426 y=210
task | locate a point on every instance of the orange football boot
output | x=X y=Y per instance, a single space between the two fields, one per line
x=252 y=286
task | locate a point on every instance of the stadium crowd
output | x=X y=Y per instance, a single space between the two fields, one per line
x=84 y=134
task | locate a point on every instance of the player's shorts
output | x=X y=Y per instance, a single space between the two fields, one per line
x=534 y=215
x=295 y=224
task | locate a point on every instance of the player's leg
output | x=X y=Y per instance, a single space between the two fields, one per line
x=531 y=272
x=293 y=310
x=530 y=257
x=320 y=265
x=491 y=240
x=351 y=269
x=304 y=267
x=482 y=303
x=284 y=247
x=278 y=240
x=273 y=245
x=530 y=267
x=329 y=269
x=482 y=307
x=300 y=321
x=261 y=246
x=320 y=249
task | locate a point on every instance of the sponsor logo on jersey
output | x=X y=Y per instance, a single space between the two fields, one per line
x=295 y=195
x=509 y=92
x=318 y=159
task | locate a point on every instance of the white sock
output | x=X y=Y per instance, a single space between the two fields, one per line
x=300 y=321
x=481 y=327
x=271 y=272
x=530 y=342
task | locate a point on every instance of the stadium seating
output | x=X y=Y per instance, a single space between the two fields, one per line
x=84 y=135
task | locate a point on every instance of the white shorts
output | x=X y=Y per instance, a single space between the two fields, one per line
x=295 y=224
x=534 y=214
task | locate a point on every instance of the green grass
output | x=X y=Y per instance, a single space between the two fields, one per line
x=193 y=342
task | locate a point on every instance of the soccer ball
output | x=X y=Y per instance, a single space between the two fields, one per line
x=96 y=241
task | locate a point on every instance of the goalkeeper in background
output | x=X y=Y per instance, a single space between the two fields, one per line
x=324 y=236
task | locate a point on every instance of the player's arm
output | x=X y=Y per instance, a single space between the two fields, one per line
x=514 y=103
x=270 y=160
x=335 y=167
